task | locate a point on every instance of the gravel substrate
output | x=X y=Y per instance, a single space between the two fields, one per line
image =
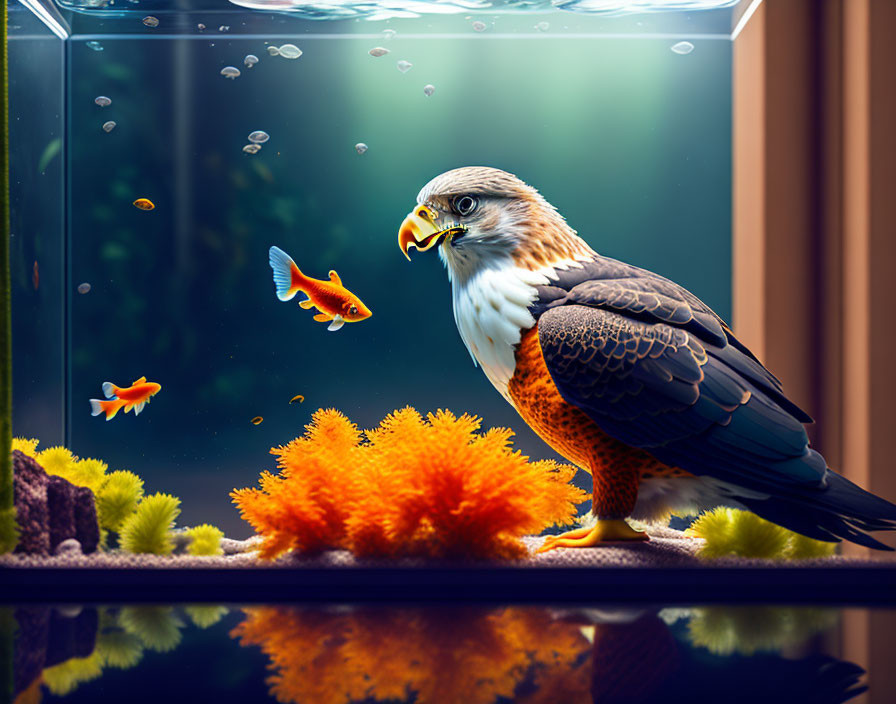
x=666 y=548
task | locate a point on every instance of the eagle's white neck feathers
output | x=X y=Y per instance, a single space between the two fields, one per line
x=491 y=309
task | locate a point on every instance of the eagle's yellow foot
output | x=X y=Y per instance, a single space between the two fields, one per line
x=604 y=531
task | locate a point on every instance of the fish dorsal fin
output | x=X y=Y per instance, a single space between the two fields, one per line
x=141 y=380
x=334 y=277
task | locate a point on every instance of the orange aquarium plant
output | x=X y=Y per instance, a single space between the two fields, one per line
x=432 y=486
x=462 y=654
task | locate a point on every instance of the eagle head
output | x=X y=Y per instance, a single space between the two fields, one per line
x=484 y=217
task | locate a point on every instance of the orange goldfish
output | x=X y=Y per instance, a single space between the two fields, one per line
x=335 y=302
x=133 y=397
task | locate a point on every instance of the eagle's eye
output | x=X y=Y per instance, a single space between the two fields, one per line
x=464 y=205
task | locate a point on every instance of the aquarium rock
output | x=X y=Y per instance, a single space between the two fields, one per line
x=68 y=547
x=259 y=137
x=360 y=147
x=102 y=101
x=181 y=540
x=429 y=89
x=72 y=514
x=543 y=26
x=230 y=72
x=200 y=26
x=50 y=510
x=378 y=51
x=224 y=28
x=250 y=60
x=252 y=148
x=30 y=495
x=151 y=21
x=683 y=48
x=84 y=288
x=95 y=45
x=290 y=51
x=109 y=126
x=479 y=26
x=404 y=66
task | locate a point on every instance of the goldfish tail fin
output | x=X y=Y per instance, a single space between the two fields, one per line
x=287 y=275
x=110 y=408
x=109 y=390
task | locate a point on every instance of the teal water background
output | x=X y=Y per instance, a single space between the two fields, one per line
x=630 y=141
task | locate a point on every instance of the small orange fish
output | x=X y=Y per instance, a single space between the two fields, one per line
x=133 y=397
x=256 y=420
x=335 y=302
x=144 y=204
x=35 y=276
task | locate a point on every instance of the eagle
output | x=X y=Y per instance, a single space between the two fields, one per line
x=625 y=373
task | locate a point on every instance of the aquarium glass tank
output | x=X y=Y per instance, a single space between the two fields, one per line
x=618 y=112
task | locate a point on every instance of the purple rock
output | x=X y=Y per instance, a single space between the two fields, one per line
x=30 y=492
x=50 y=509
x=61 y=507
x=87 y=527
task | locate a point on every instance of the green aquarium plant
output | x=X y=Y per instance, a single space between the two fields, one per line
x=118 y=498
x=729 y=531
x=143 y=525
x=148 y=529
x=8 y=529
x=205 y=540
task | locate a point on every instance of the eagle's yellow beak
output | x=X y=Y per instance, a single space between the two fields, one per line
x=420 y=230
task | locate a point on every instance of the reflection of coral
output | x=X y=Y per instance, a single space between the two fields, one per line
x=729 y=531
x=434 y=655
x=413 y=486
x=747 y=630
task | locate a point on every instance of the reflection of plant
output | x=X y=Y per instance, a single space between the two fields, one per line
x=746 y=630
x=431 y=655
x=122 y=638
x=203 y=616
x=729 y=531
x=65 y=677
x=413 y=486
x=157 y=627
